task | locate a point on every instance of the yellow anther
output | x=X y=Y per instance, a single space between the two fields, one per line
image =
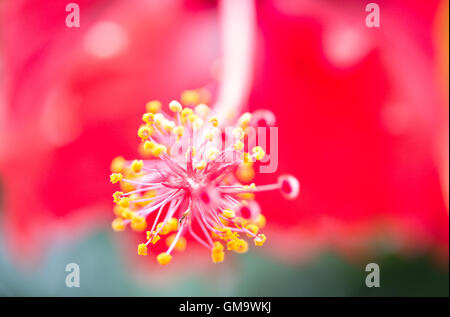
x=117 y=196
x=138 y=222
x=200 y=165
x=217 y=257
x=238 y=245
x=137 y=165
x=244 y=120
x=238 y=146
x=144 y=152
x=124 y=202
x=163 y=229
x=260 y=239
x=142 y=249
x=175 y=106
x=229 y=234
x=192 y=117
x=172 y=223
x=252 y=228
x=164 y=258
x=186 y=112
x=145 y=132
x=148 y=118
x=259 y=152
x=214 y=121
x=190 y=97
x=228 y=213
x=117 y=164
x=117 y=210
x=247 y=159
x=118 y=224
x=127 y=187
x=217 y=247
x=245 y=173
x=159 y=118
x=149 y=145
x=202 y=110
x=212 y=153
x=168 y=125
x=154 y=238
x=238 y=133
x=178 y=131
x=116 y=177
x=127 y=213
x=153 y=106
x=180 y=245
x=260 y=221
x=239 y=221
x=159 y=149
x=242 y=246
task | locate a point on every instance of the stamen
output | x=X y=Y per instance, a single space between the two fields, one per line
x=204 y=181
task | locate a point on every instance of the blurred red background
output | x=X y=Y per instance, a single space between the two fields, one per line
x=362 y=114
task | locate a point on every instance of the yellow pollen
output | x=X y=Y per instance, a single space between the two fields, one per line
x=244 y=120
x=124 y=202
x=127 y=213
x=164 y=229
x=117 y=210
x=118 y=224
x=148 y=118
x=149 y=145
x=137 y=165
x=154 y=239
x=259 y=152
x=190 y=97
x=245 y=173
x=175 y=106
x=116 y=177
x=142 y=249
x=238 y=146
x=116 y=196
x=202 y=110
x=127 y=187
x=172 y=223
x=260 y=221
x=164 y=258
x=153 y=106
x=159 y=149
x=252 y=228
x=144 y=132
x=247 y=158
x=260 y=239
x=138 y=223
x=214 y=121
x=117 y=164
x=217 y=257
x=180 y=245
x=178 y=131
x=186 y=112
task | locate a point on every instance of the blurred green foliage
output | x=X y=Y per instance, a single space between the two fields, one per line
x=255 y=274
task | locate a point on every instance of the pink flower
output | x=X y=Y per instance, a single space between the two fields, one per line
x=195 y=182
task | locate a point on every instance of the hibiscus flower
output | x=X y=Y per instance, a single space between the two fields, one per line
x=358 y=110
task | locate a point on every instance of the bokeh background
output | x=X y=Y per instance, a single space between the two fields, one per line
x=363 y=124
